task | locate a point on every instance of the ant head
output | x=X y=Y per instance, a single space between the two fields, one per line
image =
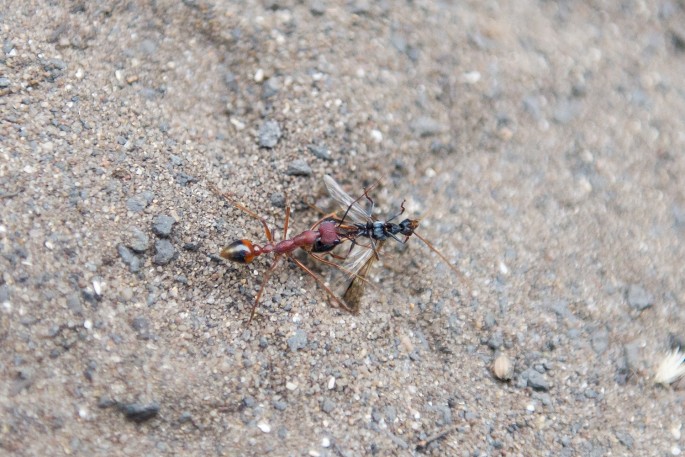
x=408 y=226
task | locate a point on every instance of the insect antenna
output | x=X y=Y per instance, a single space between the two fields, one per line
x=456 y=271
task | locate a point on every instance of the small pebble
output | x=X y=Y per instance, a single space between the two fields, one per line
x=496 y=341
x=327 y=406
x=137 y=240
x=426 y=126
x=278 y=200
x=322 y=152
x=299 y=167
x=138 y=412
x=142 y=327
x=140 y=201
x=376 y=136
x=271 y=87
x=164 y=252
x=129 y=258
x=533 y=379
x=184 y=179
x=625 y=439
x=297 y=341
x=472 y=77
x=600 y=341
x=264 y=426
x=317 y=8
x=269 y=134
x=162 y=224
x=638 y=298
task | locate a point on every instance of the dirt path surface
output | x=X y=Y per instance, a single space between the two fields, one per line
x=541 y=141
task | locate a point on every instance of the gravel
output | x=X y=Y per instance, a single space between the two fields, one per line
x=299 y=167
x=536 y=155
x=162 y=225
x=638 y=298
x=269 y=134
x=138 y=412
x=165 y=252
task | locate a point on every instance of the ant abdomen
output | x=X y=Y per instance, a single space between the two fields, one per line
x=240 y=251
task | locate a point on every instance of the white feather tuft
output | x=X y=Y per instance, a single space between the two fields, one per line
x=671 y=368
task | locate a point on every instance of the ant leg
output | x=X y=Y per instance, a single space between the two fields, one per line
x=287 y=221
x=356 y=200
x=398 y=214
x=327 y=216
x=229 y=199
x=319 y=281
x=373 y=204
x=336 y=266
x=265 y=279
x=375 y=250
x=397 y=239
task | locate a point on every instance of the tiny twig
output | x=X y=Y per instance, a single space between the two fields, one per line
x=424 y=443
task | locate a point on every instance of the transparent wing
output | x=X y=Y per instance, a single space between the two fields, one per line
x=361 y=261
x=354 y=210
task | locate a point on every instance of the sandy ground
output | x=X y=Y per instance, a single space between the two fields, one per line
x=541 y=141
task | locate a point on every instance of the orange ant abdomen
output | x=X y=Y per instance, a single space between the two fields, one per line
x=240 y=251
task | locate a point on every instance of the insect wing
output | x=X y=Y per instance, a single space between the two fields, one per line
x=359 y=262
x=354 y=210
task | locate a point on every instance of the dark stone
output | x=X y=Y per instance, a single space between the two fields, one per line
x=142 y=327
x=638 y=298
x=298 y=340
x=327 y=406
x=534 y=380
x=184 y=179
x=164 y=252
x=129 y=258
x=138 y=240
x=624 y=438
x=162 y=225
x=140 y=201
x=278 y=200
x=299 y=167
x=320 y=151
x=600 y=341
x=138 y=412
x=269 y=134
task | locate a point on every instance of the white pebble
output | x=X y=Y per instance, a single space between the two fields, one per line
x=331 y=383
x=290 y=385
x=503 y=268
x=325 y=442
x=376 y=135
x=265 y=427
x=259 y=75
x=472 y=77
x=97 y=286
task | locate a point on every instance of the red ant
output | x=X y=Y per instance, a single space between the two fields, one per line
x=324 y=239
